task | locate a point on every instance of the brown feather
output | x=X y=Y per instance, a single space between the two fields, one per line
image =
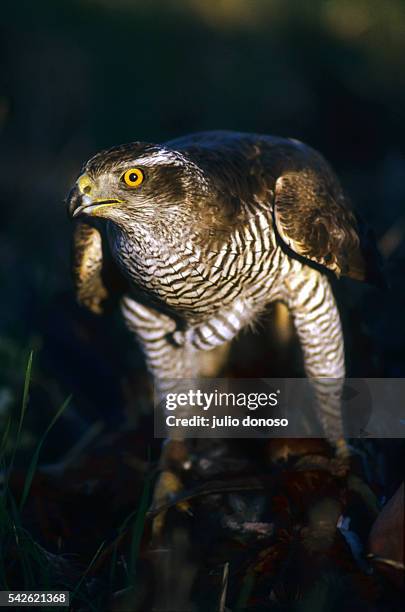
x=312 y=215
x=314 y=219
x=87 y=267
x=98 y=282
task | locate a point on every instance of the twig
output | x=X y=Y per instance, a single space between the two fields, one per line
x=224 y=591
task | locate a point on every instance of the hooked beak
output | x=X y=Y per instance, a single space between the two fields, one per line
x=81 y=200
x=87 y=206
x=83 y=204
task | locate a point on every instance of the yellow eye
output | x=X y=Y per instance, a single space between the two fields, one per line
x=133 y=177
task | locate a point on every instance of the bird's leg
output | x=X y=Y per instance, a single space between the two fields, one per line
x=218 y=330
x=154 y=331
x=166 y=362
x=316 y=319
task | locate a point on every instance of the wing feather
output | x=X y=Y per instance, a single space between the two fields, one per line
x=91 y=291
x=314 y=219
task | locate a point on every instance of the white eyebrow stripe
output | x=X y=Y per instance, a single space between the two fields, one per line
x=166 y=157
x=161 y=158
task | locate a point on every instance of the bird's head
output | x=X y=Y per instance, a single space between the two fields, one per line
x=137 y=183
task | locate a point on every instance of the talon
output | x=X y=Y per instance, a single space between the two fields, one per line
x=342 y=449
x=167 y=487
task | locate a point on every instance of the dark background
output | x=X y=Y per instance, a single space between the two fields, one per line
x=79 y=76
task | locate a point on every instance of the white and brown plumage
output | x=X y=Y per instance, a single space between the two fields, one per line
x=205 y=232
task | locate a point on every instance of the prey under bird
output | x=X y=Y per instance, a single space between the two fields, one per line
x=205 y=231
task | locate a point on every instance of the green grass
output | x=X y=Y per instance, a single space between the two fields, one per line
x=19 y=548
x=21 y=554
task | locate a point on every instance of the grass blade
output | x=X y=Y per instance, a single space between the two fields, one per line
x=92 y=562
x=4 y=437
x=27 y=380
x=137 y=530
x=34 y=461
x=244 y=594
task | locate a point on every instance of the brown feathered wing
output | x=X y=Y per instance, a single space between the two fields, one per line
x=314 y=219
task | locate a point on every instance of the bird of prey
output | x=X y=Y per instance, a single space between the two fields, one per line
x=195 y=237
